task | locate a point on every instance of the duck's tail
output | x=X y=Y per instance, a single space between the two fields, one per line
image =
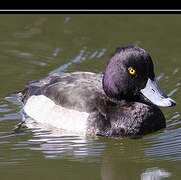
x=15 y=95
x=23 y=95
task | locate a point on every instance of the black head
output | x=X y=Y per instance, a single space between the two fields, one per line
x=127 y=73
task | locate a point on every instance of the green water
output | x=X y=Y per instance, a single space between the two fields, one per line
x=33 y=46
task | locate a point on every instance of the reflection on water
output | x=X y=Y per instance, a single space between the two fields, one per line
x=154 y=174
x=57 y=143
x=83 y=55
x=165 y=146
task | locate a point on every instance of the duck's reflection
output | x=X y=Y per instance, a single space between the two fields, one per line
x=155 y=174
x=57 y=143
x=118 y=158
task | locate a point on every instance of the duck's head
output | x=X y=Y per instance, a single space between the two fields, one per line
x=130 y=73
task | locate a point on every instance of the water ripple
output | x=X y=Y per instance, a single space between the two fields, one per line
x=82 y=56
x=165 y=146
x=57 y=143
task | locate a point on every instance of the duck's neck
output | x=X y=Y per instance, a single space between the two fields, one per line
x=121 y=100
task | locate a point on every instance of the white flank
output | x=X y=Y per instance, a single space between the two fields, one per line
x=44 y=110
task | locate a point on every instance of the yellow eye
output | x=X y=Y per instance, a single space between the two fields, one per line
x=131 y=70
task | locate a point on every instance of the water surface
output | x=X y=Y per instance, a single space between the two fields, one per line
x=33 y=46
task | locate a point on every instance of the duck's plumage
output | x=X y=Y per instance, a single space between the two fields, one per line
x=77 y=90
x=113 y=100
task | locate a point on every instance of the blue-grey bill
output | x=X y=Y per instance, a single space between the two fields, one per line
x=153 y=92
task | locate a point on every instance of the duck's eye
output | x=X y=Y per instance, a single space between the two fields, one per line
x=131 y=70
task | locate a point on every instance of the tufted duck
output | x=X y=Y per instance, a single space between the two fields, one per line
x=112 y=104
